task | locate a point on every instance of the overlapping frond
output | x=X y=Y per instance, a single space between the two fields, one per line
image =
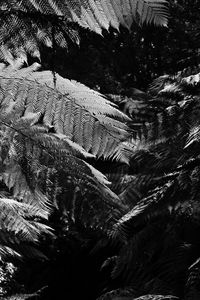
x=30 y=155
x=192 y=285
x=24 y=296
x=156 y=297
x=161 y=225
x=126 y=293
x=23 y=30
x=82 y=115
x=20 y=224
x=43 y=150
x=27 y=24
x=144 y=208
x=171 y=139
x=13 y=219
x=96 y=14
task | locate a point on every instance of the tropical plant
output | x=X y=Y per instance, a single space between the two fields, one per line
x=44 y=130
x=47 y=136
x=27 y=24
x=159 y=234
x=52 y=128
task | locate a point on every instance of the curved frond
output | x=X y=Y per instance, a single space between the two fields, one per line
x=156 y=297
x=6 y=252
x=126 y=293
x=30 y=155
x=82 y=115
x=143 y=209
x=192 y=285
x=20 y=225
x=28 y=23
x=13 y=219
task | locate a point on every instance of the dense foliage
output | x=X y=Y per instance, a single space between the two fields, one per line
x=99 y=194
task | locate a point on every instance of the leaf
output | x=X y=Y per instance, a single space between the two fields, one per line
x=28 y=23
x=82 y=115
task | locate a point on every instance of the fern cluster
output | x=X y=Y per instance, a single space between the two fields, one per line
x=47 y=136
x=159 y=233
x=27 y=24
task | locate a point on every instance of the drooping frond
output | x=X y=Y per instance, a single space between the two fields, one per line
x=14 y=178
x=193 y=281
x=156 y=297
x=29 y=23
x=30 y=155
x=159 y=231
x=82 y=115
x=194 y=136
x=20 y=224
x=182 y=84
x=25 y=296
x=13 y=219
x=144 y=208
x=126 y=293
x=46 y=170
x=18 y=160
x=24 y=29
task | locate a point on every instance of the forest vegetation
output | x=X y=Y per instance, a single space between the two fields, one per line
x=99 y=149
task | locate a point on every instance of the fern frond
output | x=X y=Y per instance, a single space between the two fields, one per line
x=126 y=293
x=26 y=296
x=194 y=136
x=175 y=83
x=156 y=297
x=6 y=252
x=13 y=218
x=14 y=179
x=20 y=224
x=77 y=112
x=193 y=281
x=134 y=188
x=76 y=171
x=27 y=24
x=24 y=29
x=143 y=208
x=37 y=160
